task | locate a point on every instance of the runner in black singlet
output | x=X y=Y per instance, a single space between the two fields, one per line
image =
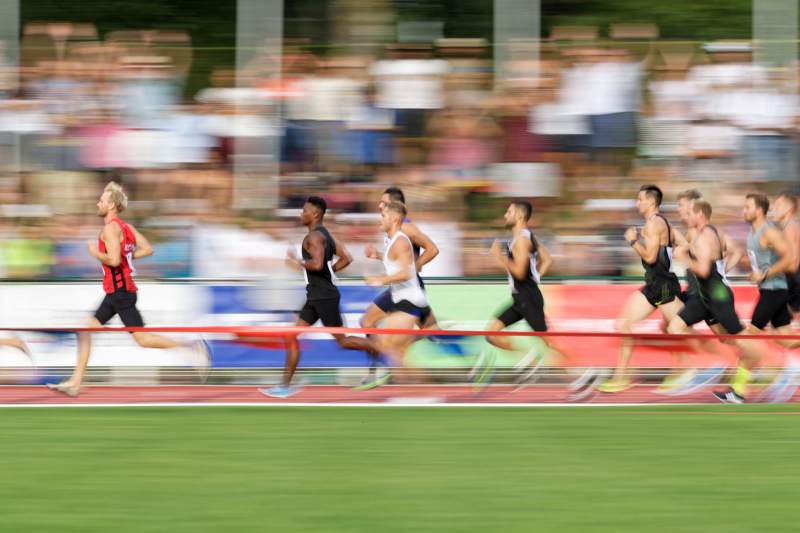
x=714 y=298
x=661 y=288
x=319 y=270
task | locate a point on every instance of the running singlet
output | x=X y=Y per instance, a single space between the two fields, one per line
x=714 y=287
x=414 y=248
x=662 y=268
x=410 y=289
x=764 y=258
x=320 y=283
x=529 y=286
x=120 y=277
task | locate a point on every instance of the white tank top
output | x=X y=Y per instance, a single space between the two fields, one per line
x=405 y=290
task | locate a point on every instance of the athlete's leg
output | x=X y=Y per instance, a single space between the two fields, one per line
x=504 y=343
x=151 y=340
x=395 y=346
x=292 y=353
x=13 y=343
x=636 y=309
x=349 y=342
x=84 y=350
x=372 y=316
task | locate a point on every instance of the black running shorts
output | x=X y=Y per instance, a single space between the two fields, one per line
x=326 y=310
x=404 y=306
x=685 y=297
x=122 y=304
x=722 y=312
x=529 y=307
x=662 y=290
x=772 y=306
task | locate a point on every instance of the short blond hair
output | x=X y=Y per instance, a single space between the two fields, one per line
x=701 y=205
x=397 y=207
x=117 y=196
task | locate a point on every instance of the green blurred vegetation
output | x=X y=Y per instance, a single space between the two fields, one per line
x=212 y=24
x=600 y=469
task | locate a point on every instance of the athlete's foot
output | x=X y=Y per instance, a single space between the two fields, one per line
x=372 y=380
x=65 y=387
x=615 y=386
x=583 y=380
x=484 y=371
x=281 y=391
x=203 y=359
x=527 y=368
x=728 y=396
x=675 y=383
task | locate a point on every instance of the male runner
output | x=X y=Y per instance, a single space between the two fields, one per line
x=322 y=303
x=770 y=256
x=691 y=379
x=714 y=298
x=526 y=261
x=409 y=301
x=382 y=305
x=118 y=246
x=785 y=208
x=661 y=288
x=786 y=218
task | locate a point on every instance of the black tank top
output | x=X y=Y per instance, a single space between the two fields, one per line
x=319 y=283
x=713 y=288
x=662 y=268
x=792 y=280
x=529 y=286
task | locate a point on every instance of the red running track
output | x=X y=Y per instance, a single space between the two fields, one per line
x=328 y=395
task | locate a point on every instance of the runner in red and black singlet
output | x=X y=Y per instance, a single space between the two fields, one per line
x=118 y=246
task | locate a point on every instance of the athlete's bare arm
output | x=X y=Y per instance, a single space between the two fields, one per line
x=792 y=234
x=112 y=238
x=704 y=250
x=400 y=251
x=543 y=260
x=772 y=238
x=731 y=250
x=678 y=239
x=314 y=244
x=690 y=235
x=143 y=246
x=423 y=241
x=652 y=234
x=344 y=257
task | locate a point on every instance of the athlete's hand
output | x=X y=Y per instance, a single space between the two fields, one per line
x=371 y=252
x=91 y=248
x=373 y=281
x=291 y=253
x=497 y=248
x=631 y=234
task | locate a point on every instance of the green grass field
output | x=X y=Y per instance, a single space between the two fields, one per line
x=628 y=469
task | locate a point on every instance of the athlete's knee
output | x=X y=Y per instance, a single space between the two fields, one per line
x=676 y=326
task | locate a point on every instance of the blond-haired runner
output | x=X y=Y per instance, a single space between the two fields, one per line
x=119 y=244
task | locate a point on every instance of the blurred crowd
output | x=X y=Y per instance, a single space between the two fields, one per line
x=576 y=127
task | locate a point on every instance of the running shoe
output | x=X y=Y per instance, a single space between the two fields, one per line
x=583 y=380
x=203 y=358
x=707 y=378
x=675 y=383
x=24 y=348
x=372 y=381
x=526 y=368
x=728 y=396
x=281 y=391
x=614 y=386
x=484 y=371
x=66 y=388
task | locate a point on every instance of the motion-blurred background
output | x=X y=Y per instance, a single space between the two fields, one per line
x=219 y=118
